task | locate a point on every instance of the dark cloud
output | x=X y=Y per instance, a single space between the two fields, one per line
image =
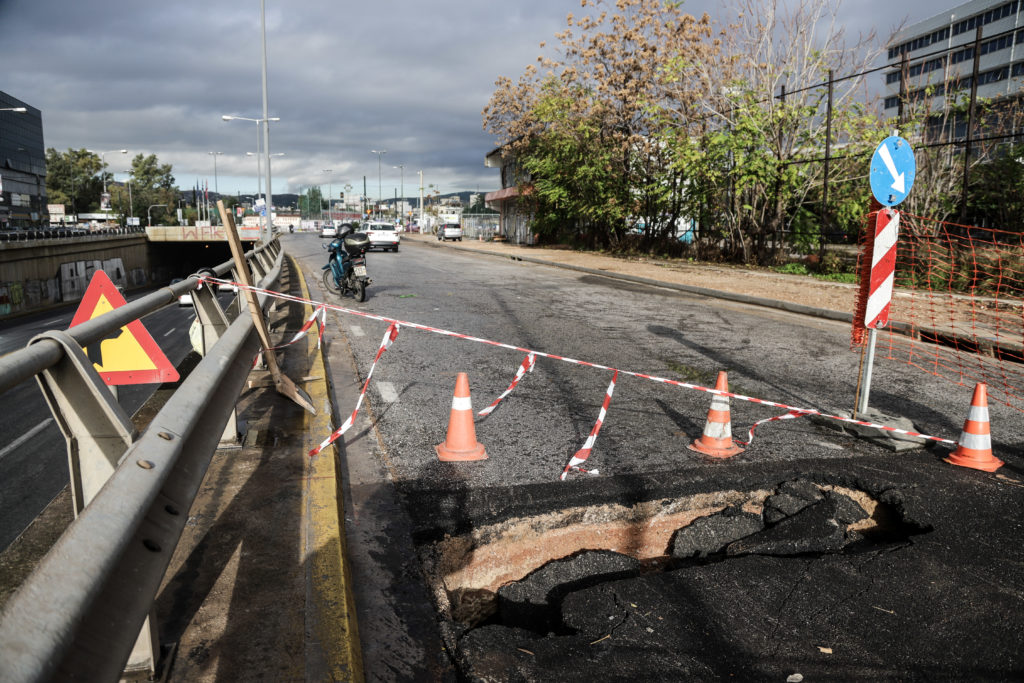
x=345 y=78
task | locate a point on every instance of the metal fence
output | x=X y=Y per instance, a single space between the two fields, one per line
x=80 y=612
x=480 y=225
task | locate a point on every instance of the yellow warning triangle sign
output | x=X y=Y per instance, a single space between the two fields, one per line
x=129 y=355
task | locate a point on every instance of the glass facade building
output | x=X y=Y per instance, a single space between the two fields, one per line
x=22 y=166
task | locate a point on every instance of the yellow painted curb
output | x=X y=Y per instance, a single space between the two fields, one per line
x=331 y=615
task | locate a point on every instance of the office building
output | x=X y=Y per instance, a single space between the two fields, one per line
x=22 y=165
x=938 y=53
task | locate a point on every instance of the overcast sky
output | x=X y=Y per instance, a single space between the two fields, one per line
x=345 y=78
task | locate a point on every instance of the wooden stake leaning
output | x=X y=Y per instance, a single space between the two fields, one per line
x=283 y=384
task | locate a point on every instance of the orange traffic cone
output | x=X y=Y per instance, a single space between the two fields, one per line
x=716 y=440
x=461 y=443
x=974 y=447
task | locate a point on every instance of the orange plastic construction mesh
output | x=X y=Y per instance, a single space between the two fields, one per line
x=958 y=304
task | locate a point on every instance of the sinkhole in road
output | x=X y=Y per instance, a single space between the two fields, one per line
x=515 y=572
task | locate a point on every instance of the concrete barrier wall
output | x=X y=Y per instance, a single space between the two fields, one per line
x=43 y=273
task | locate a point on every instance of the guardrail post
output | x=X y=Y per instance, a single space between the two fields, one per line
x=259 y=271
x=98 y=432
x=94 y=425
x=212 y=324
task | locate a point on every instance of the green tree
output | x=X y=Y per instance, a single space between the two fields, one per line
x=72 y=179
x=153 y=183
x=311 y=202
x=585 y=133
x=990 y=204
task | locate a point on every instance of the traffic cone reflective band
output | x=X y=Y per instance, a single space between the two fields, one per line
x=716 y=440
x=974 y=447
x=461 y=443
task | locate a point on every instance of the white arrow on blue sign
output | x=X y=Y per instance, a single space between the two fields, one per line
x=892 y=171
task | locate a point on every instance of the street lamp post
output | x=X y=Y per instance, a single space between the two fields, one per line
x=131 y=207
x=216 y=189
x=401 y=169
x=103 y=163
x=149 y=213
x=421 y=200
x=379 y=153
x=330 y=195
x=269 y=199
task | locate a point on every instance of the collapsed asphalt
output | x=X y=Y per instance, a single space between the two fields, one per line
x=932 y=593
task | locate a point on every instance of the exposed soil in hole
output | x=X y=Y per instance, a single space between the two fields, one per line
x=467 y=573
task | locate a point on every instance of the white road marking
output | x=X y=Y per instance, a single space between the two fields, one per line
x=387 y=392
x=170 y=332
x=26 y=436
x=356 y=331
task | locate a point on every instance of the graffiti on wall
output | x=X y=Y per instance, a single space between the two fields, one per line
x=70 y=284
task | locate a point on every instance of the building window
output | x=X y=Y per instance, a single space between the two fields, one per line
x=994 y=14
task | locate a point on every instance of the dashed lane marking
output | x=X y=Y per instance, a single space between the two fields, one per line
x=25 y=437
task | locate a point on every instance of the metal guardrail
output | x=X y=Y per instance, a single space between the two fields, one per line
x=30 y=234
x=77 y=617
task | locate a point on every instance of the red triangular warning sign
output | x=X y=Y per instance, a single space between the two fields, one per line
x=129 y=355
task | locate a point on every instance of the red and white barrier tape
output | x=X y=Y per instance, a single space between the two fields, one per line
x=640 y=375
x=580 y=456
x=320 y=317
x=385 y=344
x=788 y=416
x=524 y=367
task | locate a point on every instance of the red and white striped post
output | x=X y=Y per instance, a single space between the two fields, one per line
x=883 y=270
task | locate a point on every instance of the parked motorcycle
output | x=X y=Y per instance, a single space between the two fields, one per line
x=345 y=271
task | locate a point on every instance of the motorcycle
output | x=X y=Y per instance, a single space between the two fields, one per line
x=345 y=271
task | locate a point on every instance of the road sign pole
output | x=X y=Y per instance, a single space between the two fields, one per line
x=891 y=176
x=865 y=378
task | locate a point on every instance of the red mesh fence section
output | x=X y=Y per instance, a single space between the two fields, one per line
x=958 y=305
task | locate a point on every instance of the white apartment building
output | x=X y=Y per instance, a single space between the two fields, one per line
x=939 y=52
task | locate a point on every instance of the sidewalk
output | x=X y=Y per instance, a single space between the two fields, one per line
x=257 y=589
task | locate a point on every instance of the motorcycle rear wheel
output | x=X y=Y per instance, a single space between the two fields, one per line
x=329 y=283
x=360 y=291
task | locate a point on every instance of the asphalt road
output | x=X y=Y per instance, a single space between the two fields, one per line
x=33 y=456
x=768 y=354
x=794 y=599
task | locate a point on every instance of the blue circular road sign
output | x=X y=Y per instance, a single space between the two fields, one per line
x=892 y=171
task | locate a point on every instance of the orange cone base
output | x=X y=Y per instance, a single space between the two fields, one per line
x=445 y=454
x=716 y=448
x=986 y=462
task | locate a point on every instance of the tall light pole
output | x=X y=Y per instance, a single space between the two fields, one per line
x=103 y=163
x=266 y=131
x=216 y=189
x=131 y=207
x=401 y=169
x=266 y=120
x=379 y=153
x=330 y=194
x=259 y=174
x=421 y=200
